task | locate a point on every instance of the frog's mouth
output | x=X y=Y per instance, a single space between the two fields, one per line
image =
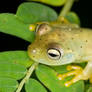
x=66 y=59
x=44 y=59
x=55 y=63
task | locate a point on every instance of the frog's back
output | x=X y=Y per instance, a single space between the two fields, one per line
x=78 y=40
x=68 y=42
x=71 y=37
x=86 y=38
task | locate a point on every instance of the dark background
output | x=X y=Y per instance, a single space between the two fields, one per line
x=82 y=7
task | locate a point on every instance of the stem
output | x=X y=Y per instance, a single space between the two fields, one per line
x=66 y=8
x=29 y=73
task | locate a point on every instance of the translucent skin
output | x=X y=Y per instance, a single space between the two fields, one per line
x=74 y=42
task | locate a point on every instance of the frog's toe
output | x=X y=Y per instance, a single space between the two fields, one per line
x=68 y=83
x=74 y=80
x=63 y=76
x=73 y=67
x=77 y=70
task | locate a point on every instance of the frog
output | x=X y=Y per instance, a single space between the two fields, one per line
x=58 y=44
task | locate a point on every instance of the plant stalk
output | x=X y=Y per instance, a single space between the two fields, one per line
x=67 y=7
x=29 y=73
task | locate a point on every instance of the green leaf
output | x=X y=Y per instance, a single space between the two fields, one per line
x=49 y=78
x=16 y=57
x=73 y=18
x=34 y=86
x=27 y=13
x=10 y=24
x=12 y=70
x=90 y=89
x=34 y=12
x=51 y=2
x=8 y=84
x=59 y=68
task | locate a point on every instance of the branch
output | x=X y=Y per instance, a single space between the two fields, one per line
x=29 y=73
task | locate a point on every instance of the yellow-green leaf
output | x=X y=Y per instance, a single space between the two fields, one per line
x=51 y=2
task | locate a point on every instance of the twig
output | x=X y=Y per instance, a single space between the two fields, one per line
x=29 y=73
x=66 y=8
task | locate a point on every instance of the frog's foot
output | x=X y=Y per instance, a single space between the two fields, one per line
x=63 y=20
x=77 y=71
x=32 y=27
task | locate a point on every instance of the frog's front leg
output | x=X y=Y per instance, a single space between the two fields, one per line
x=79 y=73
x=88 y=71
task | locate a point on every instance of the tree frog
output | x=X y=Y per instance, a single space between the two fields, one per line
x=59 y=44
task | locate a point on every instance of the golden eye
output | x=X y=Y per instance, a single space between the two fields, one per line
x=54 y=53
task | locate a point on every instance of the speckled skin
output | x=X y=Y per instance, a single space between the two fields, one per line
x=75 y=42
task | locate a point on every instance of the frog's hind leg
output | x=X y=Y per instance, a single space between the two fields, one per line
x=87 y=72
x=69 y=68
x=75 y=71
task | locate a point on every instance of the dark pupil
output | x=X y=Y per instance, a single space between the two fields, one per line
x=53 y=55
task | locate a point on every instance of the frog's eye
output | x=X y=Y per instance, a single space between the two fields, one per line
x=54 y=53
x=42 y=29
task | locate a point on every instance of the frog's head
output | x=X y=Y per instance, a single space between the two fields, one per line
x=49 y=46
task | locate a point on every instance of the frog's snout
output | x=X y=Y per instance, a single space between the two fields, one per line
x=32 y=51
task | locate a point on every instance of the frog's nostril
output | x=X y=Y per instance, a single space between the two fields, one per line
x=33 y=51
